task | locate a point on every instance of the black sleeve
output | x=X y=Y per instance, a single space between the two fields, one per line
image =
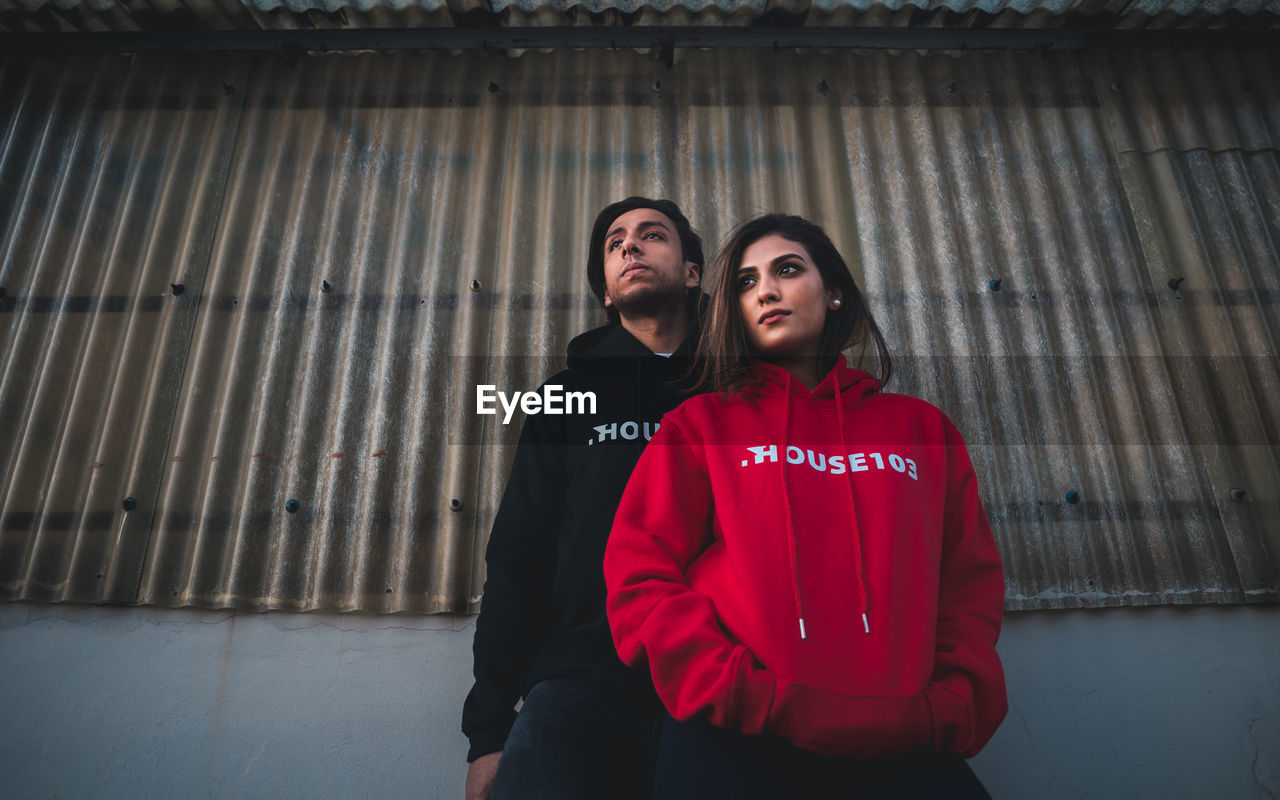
x=516 y=608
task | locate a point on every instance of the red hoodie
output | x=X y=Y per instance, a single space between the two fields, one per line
x=821 y=570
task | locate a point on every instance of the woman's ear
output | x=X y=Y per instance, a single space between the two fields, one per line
x=833 y=299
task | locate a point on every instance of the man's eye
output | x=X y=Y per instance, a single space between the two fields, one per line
x=653 y=235
x=609 y=248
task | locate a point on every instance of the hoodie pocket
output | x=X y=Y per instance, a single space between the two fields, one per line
x=952 y=720
x=753 y=694
x=850 y=727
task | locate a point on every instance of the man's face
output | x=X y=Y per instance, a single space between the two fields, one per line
x=644 y=266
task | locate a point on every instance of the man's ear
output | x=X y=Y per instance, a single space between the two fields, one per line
x=608 y=301
x=692 y=275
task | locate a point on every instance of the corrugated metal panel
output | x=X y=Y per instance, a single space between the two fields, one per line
x=246 y=15
x=445 y=202
x=110 y=189
x=1205 y=192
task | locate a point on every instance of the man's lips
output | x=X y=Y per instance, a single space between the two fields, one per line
x=770 y=317
x=633 y=269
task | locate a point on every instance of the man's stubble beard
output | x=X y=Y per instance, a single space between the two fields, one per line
x=650 y=301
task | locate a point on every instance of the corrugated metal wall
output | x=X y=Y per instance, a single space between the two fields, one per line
x=359 y=240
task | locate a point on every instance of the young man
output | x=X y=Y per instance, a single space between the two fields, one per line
x=585 y=729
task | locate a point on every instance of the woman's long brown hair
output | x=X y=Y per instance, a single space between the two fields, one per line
x=723 y=361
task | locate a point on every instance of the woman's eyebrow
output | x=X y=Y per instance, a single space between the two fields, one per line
x=787 y=257
x=774 y=262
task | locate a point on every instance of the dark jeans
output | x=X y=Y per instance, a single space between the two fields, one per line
x=574 y=742
x=697 y=760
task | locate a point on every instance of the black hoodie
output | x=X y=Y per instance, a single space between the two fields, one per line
x=543 y=613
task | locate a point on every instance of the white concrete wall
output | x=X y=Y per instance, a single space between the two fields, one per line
x=154 y=703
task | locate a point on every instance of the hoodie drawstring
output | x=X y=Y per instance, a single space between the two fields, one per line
x=853 y=512
x=793 y=545
x=786 y=501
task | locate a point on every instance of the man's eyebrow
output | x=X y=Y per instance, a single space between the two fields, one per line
x=649 y=223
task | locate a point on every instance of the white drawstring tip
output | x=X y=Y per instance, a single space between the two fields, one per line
x=865 y=625
x=802 y=628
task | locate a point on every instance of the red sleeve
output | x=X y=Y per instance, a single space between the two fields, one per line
x=662 y=525
x=967 y=692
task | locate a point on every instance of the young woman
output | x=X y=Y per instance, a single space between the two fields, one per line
x=800 y=560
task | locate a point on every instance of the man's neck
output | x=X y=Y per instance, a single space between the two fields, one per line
x=661 y=333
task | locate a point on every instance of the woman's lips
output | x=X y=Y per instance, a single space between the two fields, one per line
x=770 y=317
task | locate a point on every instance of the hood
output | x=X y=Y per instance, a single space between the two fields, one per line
x=852 y=384
x=612 y=341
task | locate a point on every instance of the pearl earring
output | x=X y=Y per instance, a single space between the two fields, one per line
x=836 y=302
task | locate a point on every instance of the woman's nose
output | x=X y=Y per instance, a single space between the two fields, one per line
x=766 y=291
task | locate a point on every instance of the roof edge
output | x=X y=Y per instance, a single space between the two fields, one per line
x=658 y=38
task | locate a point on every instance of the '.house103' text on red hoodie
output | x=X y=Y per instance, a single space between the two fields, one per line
x=815 y=565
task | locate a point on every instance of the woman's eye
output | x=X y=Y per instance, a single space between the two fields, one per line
x=744 y=283
x=787 y=268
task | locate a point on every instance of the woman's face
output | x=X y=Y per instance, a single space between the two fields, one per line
x=783 y=302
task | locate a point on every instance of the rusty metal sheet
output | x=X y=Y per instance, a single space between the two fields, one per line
x=112 y=176
x=363 y=239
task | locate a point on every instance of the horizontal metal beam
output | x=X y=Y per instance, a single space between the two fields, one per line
x=659 y=38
